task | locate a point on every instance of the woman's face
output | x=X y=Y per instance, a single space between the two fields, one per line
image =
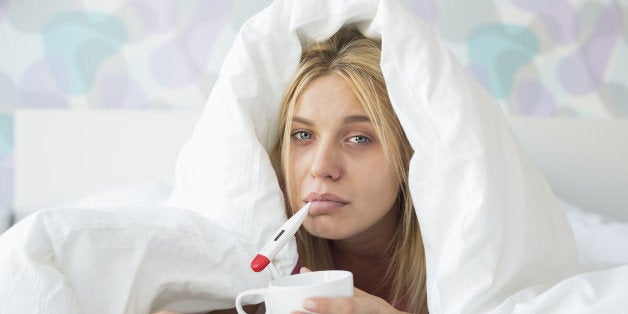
x=337 y=163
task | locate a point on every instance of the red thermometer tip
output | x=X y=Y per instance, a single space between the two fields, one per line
x=259 y=263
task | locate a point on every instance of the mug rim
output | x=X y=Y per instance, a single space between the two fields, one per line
x=341 y=274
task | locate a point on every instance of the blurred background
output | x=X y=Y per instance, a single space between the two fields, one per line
x=559 y=58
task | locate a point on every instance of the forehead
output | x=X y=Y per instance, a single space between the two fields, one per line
x=328 y=95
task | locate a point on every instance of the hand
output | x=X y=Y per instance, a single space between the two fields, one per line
x=361 y=302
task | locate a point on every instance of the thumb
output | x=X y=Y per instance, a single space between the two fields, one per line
x=304 y=270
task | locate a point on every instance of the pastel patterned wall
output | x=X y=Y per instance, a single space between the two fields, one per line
x=537 y=57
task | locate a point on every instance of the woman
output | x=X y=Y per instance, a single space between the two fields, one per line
x=343 y=149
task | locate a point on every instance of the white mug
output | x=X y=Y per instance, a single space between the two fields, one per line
x=285 y=295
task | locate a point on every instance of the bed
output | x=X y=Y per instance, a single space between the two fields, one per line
x=494 y=235
x=126 y=157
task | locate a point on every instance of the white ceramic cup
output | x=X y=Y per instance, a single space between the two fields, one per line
x=285 y=295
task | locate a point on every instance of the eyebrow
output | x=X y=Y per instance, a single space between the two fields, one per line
x=355 y=119
x=345 y=120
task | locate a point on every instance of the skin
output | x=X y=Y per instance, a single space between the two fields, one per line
x=337 y=163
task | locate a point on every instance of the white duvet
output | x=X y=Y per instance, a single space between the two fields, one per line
x=495 y=237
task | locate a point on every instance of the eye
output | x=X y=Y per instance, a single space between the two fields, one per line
x=302 y=135
x=359 y=139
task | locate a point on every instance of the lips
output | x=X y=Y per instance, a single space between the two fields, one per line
x=324 y=202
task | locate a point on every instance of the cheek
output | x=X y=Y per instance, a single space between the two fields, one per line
x=297 y=170
x=380 y=184
x=329 y=227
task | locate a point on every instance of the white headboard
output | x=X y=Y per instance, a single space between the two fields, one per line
x=63 y=154
x=585 y=160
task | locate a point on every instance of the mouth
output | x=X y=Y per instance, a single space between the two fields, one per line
x=324 y=202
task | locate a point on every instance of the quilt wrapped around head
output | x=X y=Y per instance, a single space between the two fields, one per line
x=495 y=238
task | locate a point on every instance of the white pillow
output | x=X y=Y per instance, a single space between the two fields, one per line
x=601 y=240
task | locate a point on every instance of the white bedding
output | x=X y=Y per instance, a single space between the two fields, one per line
x=121 y=259
x=495 y=236
x=601 y=240
x=127 y=235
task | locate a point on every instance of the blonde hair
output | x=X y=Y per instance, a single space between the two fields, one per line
x=356 y=59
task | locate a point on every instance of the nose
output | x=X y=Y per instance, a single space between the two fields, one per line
x=327 y=163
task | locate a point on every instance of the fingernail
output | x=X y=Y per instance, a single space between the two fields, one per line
x=309 y=305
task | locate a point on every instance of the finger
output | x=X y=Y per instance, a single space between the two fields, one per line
x=362 y=302
x=340 y=305
x=359 y=293
x=304 y=270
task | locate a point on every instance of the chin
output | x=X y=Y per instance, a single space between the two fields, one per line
x=324 y=231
